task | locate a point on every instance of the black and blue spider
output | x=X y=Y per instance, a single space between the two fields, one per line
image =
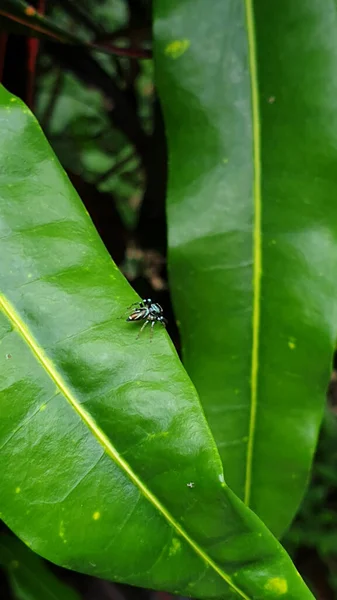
x=149 y=312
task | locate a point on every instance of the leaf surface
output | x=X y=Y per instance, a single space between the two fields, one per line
x=107 y=462
x=248 y=91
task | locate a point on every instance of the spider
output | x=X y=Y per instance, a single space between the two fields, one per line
x=149 y=312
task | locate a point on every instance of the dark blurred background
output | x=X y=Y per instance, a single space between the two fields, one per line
x=101 y=115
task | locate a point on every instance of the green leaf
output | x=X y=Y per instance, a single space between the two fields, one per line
x=29 y=577
x=248 y=93
x=107 y=463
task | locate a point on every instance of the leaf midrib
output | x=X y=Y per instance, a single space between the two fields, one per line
x=257 y=252
x=110 y=450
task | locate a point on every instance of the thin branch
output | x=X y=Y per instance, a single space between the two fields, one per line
x=140 y=53
x=115 y=168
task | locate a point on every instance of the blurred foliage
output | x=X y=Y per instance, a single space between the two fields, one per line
x=314 y=531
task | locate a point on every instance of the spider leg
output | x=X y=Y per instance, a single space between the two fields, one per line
x=140 y=304
x=141 y=329
x=151 y=330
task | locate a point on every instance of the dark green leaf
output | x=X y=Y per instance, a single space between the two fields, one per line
x=248 y=91
x=107 y=463
x=29 y=577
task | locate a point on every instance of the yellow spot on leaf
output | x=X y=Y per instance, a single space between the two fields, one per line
x=61 y=530
x=96 y=515
x=30 y=11
x=175 y=546
x=177 y=48
x=43 y=407
x=277 y=585
x=292 y=343
x=17 y=490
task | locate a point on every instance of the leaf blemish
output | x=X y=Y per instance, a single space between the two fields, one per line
x=277 y=585
x=177 y=48
x=96 y=515
x=175 y=546
x=17 y=490
x=61 y=530
x=222 y=480
x=292 y=343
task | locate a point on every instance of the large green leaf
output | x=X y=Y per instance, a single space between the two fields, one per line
x=29 y=577
x=107 y=463
x=249 y=92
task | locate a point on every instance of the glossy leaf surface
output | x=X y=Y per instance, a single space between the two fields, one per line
x=248 y=91
x=107 y=463
x=29 y=577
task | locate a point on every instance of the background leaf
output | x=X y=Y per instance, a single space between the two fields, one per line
x=248 y=93
x=29 y=577
x=108 y=465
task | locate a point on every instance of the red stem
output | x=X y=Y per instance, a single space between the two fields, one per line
x=3 y=44
x=33 y=45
